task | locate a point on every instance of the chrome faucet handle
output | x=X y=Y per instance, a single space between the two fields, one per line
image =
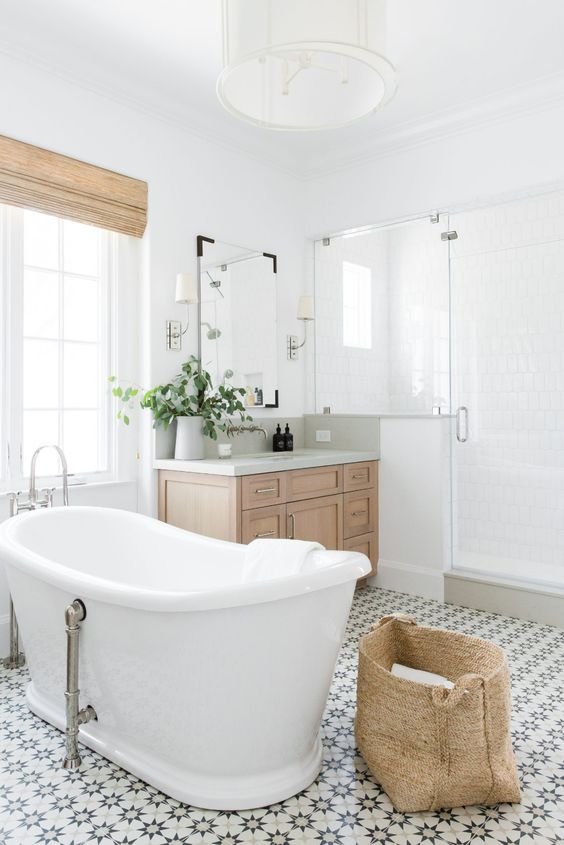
x=45 y=497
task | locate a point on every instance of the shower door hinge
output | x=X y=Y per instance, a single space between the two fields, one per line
x=434 y=218
x=326 y=241
x=449 y=236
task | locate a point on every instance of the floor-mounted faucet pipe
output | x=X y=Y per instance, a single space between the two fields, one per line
x=74 y=615
x=35 y=500
x=16 y=658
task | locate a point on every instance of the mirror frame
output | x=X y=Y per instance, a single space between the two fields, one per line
x=201 y=240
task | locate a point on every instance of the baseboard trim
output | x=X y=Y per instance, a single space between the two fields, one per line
x=407 y=578
x=522 y=602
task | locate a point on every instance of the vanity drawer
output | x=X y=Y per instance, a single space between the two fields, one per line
x=311 y=483
x=360 y=513
x=361 y=475
x=266 y=489
x=263 y=522
x=366 y=544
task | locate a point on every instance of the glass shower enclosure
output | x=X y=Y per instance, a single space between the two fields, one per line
x=382 y=320
x=507 y=376
x=411 y=323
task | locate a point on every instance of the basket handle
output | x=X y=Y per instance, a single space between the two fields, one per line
x=447 y=699
x=395 y=617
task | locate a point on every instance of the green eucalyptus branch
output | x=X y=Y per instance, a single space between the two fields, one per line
x=189 y=394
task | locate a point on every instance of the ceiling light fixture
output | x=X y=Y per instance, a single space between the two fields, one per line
x=304 y=64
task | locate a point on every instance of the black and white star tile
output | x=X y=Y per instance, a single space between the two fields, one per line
x=40 y=803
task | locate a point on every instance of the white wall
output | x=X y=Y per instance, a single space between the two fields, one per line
x=493 y=159
x=194 y=188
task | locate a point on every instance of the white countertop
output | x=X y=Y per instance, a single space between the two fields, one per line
x=268 y=461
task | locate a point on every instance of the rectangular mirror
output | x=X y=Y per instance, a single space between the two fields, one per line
x=238 y=331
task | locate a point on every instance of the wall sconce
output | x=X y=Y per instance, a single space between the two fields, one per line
x=306 y=313
x=186 y=294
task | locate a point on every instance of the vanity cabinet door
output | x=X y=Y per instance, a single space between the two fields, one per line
x=263 y=522
x=317 y=519
x=204 y=504
x=366 y=544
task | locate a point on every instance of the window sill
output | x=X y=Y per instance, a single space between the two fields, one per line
x=86 y=484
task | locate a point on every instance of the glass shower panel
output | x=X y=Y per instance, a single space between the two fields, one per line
x=382 y=320
x=507 y=287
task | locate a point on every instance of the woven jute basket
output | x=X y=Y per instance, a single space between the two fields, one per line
x=427 y=746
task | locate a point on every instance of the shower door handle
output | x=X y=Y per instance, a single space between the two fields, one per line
x=462 y=430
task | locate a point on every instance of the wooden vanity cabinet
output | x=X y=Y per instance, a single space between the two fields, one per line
x=336 y=506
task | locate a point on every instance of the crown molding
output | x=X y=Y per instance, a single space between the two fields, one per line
x=536 y=96
x=169 y=116
x=539 y=95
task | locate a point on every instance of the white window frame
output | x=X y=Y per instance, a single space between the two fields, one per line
x=119 y=257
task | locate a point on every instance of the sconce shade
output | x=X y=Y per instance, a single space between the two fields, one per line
x=305 y=308
x=186 y=288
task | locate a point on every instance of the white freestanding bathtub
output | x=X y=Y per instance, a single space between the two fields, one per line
x=208 y=683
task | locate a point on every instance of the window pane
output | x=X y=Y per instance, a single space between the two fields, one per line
x=41 y=240
x=80 y=441
x=41 y=374
x=41 y=304
x=357 y=305
x=40 y=428
x=81 y=308
x=65 y=311
x=81 y=248
x=81 y=380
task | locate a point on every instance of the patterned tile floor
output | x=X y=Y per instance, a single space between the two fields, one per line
x=40 y=803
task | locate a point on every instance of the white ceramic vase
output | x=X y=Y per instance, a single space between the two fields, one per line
x=189 y=439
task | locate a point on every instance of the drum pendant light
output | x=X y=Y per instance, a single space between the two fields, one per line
x=304 y=64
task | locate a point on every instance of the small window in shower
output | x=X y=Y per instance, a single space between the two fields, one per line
x=357 y=306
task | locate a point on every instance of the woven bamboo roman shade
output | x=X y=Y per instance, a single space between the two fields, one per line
x=31 y=177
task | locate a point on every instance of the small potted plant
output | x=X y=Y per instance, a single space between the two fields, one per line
x=200 y=410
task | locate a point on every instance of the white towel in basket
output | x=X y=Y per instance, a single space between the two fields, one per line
x=275 y=558
x=419 y=676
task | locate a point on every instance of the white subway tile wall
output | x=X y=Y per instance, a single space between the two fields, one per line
x=508 y=369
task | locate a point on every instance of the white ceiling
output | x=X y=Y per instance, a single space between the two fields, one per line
x=457 y=60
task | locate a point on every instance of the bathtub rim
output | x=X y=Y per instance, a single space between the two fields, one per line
x=347 y=566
